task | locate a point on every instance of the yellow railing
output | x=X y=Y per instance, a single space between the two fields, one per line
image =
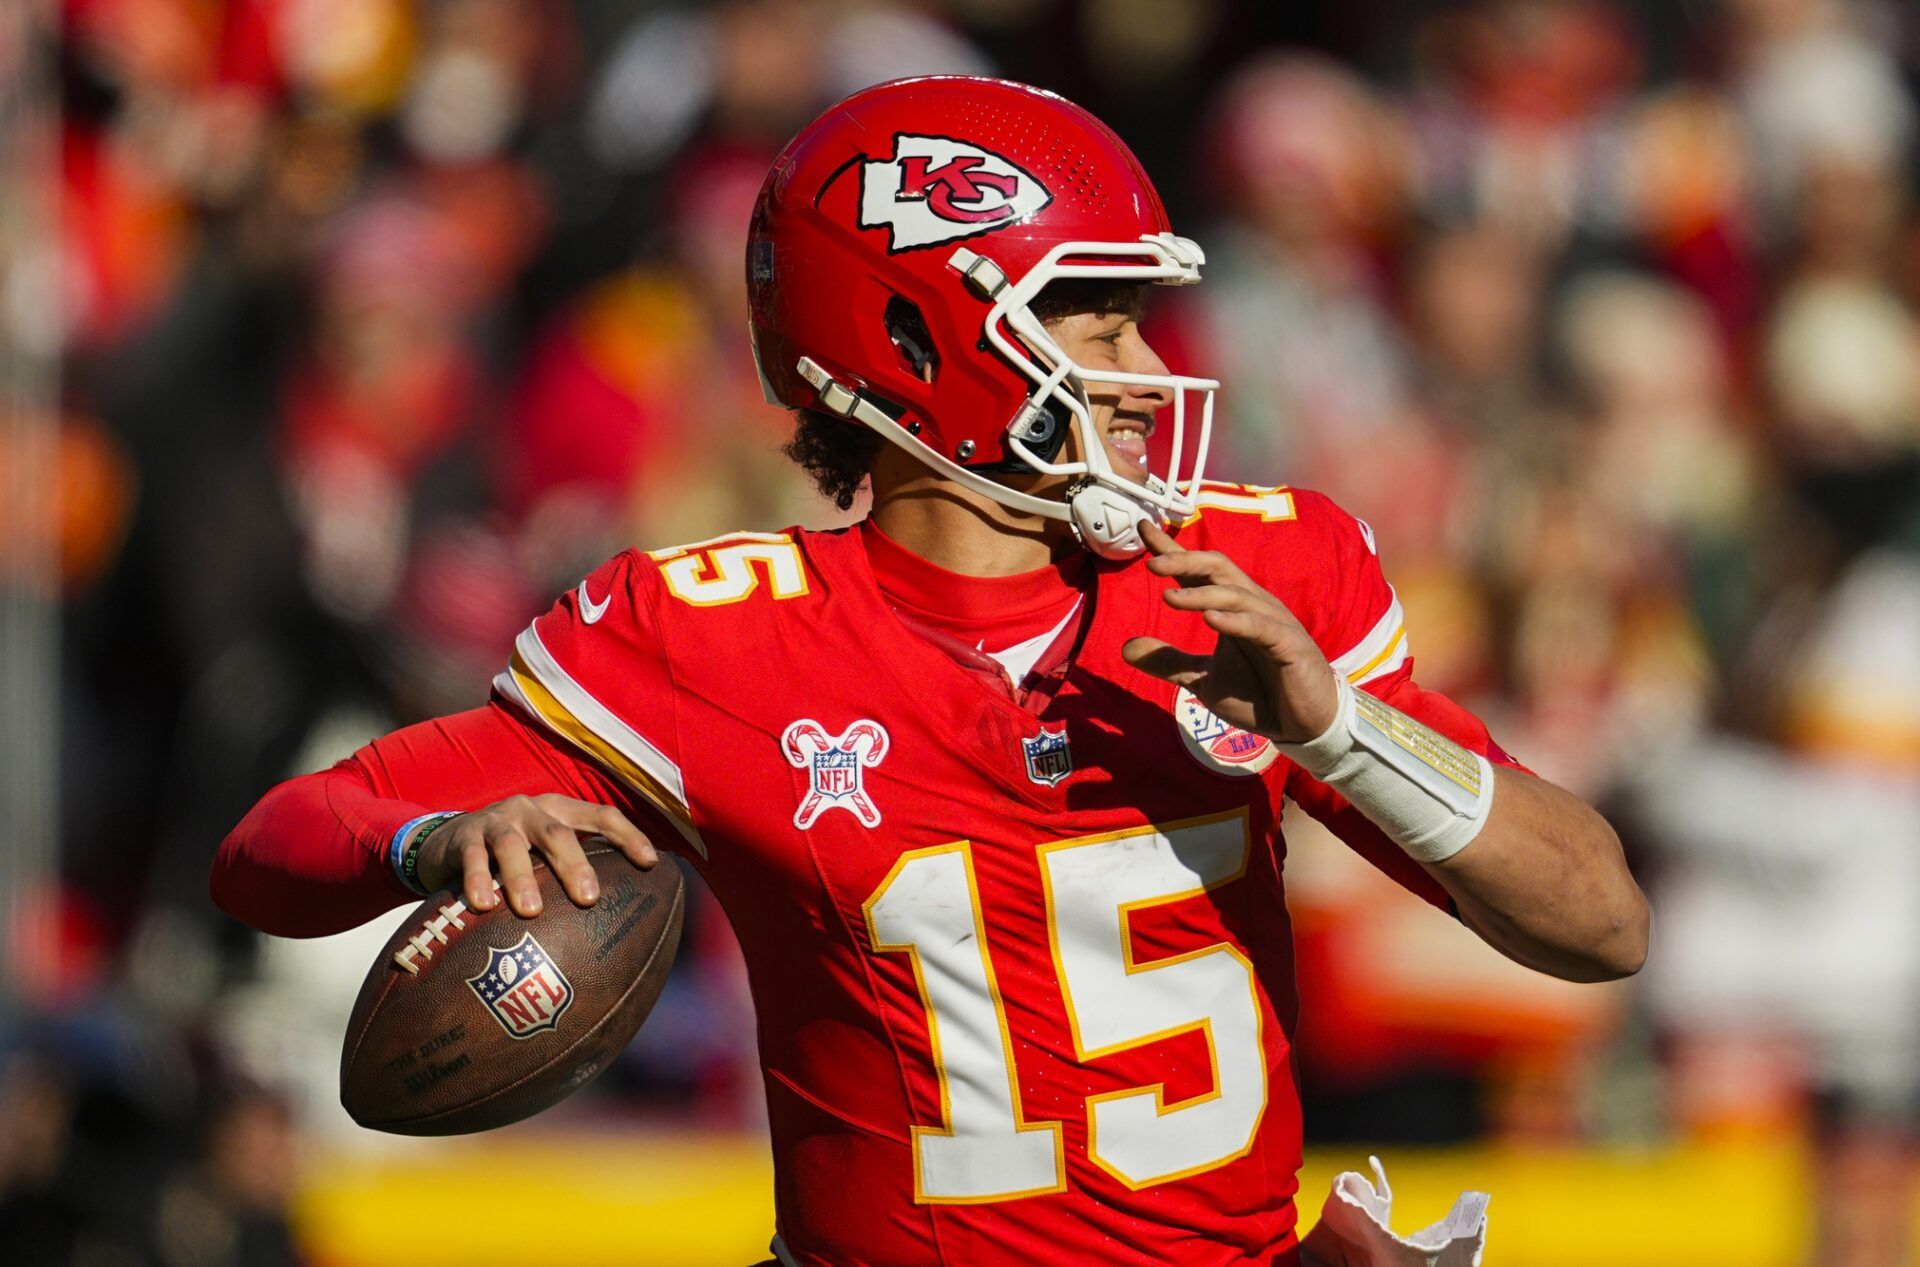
x=653 y=1200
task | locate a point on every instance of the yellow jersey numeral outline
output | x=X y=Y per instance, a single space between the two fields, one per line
x=1273 y=505
x=730 y=569
x=946 y=1128
x=1204 y=1025
x=1124 y=913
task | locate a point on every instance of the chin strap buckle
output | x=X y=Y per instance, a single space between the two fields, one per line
x=1106 y=520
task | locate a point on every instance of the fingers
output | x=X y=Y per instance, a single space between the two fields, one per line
x=567 y=860
x=1158 y=539
x=606 y=821
x=476 y=873
x=1246 y=598
x=1166 y=662
x=1209 y=580
x=513 y=858
x=1196 y=674
x=1256 y=627
x=1215 y=598
x=1200 y=567
x=503 y=839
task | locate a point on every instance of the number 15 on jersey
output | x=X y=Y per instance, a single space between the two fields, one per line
x=984 y=1148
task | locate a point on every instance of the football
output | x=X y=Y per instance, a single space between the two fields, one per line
x=471 y=1020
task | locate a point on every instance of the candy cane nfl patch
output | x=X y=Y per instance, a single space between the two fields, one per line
x=1049 y=760
x=523 y=987
x=836 y=768
x=1216 y=745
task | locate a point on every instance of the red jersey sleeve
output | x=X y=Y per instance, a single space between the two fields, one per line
x=313 y=857
x=593 y=674
x=1362 y=629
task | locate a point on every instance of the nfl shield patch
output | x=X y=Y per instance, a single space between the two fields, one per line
x=523 y=987
x=1049 y=760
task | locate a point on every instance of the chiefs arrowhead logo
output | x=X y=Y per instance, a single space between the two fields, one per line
x=935 y=189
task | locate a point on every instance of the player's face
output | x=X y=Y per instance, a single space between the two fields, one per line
x=1110 y=340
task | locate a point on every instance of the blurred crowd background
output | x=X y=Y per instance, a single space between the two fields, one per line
x=342 y=334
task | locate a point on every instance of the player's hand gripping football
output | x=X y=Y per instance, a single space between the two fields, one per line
x=503 y=837
x=1264 y=674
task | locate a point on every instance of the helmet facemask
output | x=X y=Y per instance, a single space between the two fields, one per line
x=1103 y=506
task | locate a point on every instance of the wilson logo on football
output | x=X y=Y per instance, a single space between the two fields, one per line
x=1215 y=744
x=935 y=189
x=836 y=768
x=523 y=987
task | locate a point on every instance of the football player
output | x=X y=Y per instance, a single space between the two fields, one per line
x=989 y=785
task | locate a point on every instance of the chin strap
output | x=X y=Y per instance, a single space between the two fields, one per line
x=1104 y=520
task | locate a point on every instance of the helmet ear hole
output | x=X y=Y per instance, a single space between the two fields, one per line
x=912 y=341
x=1043 y=429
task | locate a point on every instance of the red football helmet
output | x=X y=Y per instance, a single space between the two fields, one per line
x=895 y=248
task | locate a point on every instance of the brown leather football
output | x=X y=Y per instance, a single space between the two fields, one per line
x=471 y=1020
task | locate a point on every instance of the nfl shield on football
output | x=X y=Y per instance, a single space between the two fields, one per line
x=470 y=1020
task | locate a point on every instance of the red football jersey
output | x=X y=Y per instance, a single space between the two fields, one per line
x=1024 y=978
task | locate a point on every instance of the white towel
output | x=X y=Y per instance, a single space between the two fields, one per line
x=1355 y=1229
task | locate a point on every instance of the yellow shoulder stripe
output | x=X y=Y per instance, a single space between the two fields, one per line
x=610 y=742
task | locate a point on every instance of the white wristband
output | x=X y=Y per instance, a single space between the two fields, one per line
x=1430 y=795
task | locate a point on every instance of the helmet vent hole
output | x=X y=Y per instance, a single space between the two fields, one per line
x=911 y=339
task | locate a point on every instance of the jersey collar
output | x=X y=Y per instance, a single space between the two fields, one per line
x=959 y=602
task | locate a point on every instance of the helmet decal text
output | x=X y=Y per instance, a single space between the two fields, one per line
x=936 y=189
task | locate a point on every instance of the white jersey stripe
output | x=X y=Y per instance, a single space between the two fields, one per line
x=1383 y=650
x=582 y=718
x=596 y=715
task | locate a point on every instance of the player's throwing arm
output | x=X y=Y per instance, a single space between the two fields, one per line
x=1545 y=881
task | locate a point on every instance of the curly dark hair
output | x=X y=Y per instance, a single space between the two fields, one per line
x=837 y=453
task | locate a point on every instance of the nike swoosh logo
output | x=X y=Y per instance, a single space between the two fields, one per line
x=591 y=611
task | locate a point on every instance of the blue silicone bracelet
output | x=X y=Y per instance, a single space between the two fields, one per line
x=397 y=851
